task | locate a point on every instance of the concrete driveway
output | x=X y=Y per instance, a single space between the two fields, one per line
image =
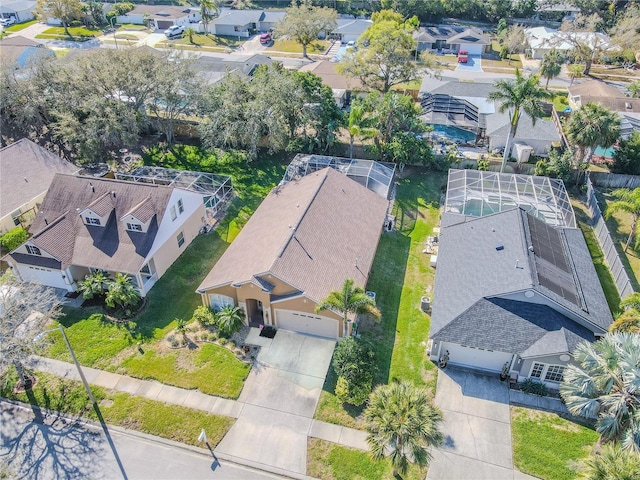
x=477 y=428
x=279 y=399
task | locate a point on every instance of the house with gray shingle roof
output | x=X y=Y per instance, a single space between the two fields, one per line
x=451 y=39
x=86 y=224
x=514 y=292
x=243 y=23
x=26 y=171
x=306 y=238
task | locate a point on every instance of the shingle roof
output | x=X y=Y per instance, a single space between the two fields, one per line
x=312 y=233
x=160 y=11
x=452 y=34
x=511 y=326
x=26 y=171
x=471 y=268
x=352 y=26
x=238 y=17
x=143 y=211
x=595 y=88
x=329 y=74
x=60 y=231
x=498 y=125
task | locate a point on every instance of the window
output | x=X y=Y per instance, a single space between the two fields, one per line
x=180 y=206
x=135 y=227
x=554 y=373
x=537 y=369
x=173 y=213
x=218 y=301
x=33 y=250
x=93 y=221
x=180 y=239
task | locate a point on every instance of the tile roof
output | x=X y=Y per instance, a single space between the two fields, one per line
x=26 y=171
x=468 y=244
x=60 y=231
x=312 y=233
x=511 y=326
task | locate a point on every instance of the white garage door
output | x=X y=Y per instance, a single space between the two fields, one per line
x=43 y=276
x=475 y=357
x=472 y=49
x=307 y=323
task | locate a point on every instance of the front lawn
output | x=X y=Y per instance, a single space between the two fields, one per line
x=76 y=33
x=174 y=422
x=548 y=446
x=218 y=42
x=328 y=461
x=20 y=26
x=213 y=370
x=291 y=46
x=400 y=276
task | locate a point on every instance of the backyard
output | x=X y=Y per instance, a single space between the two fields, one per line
x=400 y=276
x=114 y=346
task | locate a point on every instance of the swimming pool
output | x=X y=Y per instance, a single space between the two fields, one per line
x=608 y=153
x=454 y=133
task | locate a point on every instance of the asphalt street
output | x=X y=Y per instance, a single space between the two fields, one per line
x=50 y=447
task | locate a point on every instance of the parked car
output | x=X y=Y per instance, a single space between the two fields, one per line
x=5 y=22
x=174 y=31
x=463 y=56
x=265 y=38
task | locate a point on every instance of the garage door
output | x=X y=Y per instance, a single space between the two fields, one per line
x=307 y=323
x=43 y=276
x=476 y=357
x=164 y=24
x=473 y=49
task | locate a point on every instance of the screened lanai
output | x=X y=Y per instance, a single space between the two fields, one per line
x=215 y=189
x=478 y=193
x=376 y=176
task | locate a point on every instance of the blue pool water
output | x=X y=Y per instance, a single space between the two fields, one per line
x=608 y=153
x=454 y=133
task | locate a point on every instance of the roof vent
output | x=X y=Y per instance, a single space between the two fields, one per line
x=25 y=179
x=499 y=247
x=627 y=105
x=92 y=187
x=113 y=193
x=531 y=248
x=46 y=222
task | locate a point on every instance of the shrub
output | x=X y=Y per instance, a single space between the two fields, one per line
x=174 y=342
x=223 y=341
x=13 y=239
x=354 y=360
x=204 y=316
x=534 y=387
x=355 y=393
x=232 y=344
x=213 y=337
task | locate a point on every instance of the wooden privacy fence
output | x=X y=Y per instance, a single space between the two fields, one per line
x=620 y=277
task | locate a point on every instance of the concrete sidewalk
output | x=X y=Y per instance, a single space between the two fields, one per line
x=153 y=390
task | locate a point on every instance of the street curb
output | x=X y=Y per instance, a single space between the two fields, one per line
x=155 y=439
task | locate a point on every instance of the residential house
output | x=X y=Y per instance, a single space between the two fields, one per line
x=343 y=86
x=542 y=40
x=596 y=91
x=18 y=51
x=451 y=39
x=26 y=171
x=87 y=224
x=513 y=292
x=349 y=29
x=303 y=241
x=214 y=69
x=161 y=17
x=21 y=10
x=466 y=105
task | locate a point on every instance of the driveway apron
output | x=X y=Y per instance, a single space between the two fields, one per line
x=477 y=428
x=280 y=397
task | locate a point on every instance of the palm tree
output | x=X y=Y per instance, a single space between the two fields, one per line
x=181 y=325
x=190 y=32
x=122 y=292
x=628 y=321
x=634 y=89
x=627 y=201
x=207 y=10
x=229 y=319
x=524 y=94
x=358 y=124
x=351 y=299
x=93 y=284
x=402 y=424
x=612 y=463
x=604 y=384
x=551 y=65
x=574 y=71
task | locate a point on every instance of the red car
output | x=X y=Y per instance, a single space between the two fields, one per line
x=463 y=56
x=265 y=38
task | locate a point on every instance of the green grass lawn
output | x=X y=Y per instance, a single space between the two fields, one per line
x=213 y=370
x=400 y=275
x=132 y=27
x=328 y=461
x=604 y=274
x=548 y=446
x=291 y=46
x=560 y=101
x=20 y=26
x=77 y=33
x=176 y=423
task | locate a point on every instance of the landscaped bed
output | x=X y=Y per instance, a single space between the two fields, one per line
x=548 y=446
x=400 y=276
x=176 y=423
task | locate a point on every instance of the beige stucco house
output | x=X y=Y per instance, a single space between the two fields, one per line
x=87 y=224
x=26 y=171
x=304 y=240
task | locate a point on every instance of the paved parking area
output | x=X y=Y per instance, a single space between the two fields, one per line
x=279 y=399
x=477 y=428
x=474 y=64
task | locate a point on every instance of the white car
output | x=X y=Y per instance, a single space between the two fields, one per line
x=5 y=22
x=174 y=31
